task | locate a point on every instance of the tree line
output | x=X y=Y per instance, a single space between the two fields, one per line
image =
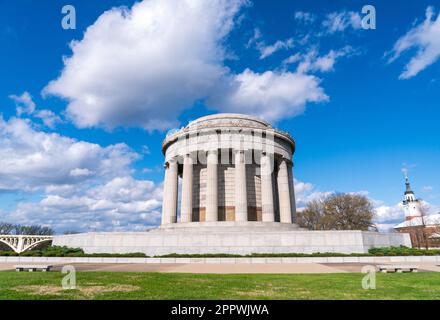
x=18 y=229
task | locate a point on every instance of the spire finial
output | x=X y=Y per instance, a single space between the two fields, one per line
x=407 y=184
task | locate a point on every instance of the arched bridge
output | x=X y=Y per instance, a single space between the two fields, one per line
x=22 y=243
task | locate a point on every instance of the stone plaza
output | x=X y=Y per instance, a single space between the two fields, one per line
x=237 y=196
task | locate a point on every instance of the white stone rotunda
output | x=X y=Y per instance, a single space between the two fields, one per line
x=234 y=169
x=236 y=196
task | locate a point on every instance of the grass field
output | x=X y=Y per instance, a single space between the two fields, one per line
x=121 y=285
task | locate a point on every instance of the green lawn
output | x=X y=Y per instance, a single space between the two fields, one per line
x=123 y=285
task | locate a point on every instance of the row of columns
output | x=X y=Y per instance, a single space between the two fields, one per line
x=285 y=189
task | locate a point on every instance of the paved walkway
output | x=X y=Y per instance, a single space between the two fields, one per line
x=224 y=268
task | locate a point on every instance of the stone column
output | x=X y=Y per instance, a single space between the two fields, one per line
x=187 y=190
x=169 y=208
x=241 y=212
x=284 y=193
x=267 y=202
x=292 y=192
x=212 y=187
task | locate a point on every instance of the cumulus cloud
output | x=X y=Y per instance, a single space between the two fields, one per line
x=313 y=62
x=143 y=66
x=48 y=117
x=304 y=17
x=33 y=160
x=82 y=185
x=385 y=213
x=25 y=105
x=270 y=95
x=425 y=38
x=266 y=50
x=121 y=204
x=340 y=21
x=306 y=192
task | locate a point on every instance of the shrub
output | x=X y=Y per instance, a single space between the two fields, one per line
x=57 y=251
x=8 y=253
x=402 y=251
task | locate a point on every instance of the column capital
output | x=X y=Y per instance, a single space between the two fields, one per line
x=170 y=161
x=286 y=160
x=190 y=155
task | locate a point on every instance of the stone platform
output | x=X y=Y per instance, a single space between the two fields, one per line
x=232 y=238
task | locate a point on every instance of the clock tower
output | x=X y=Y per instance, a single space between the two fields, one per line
x=411 y=205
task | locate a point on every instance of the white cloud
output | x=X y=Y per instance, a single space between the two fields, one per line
x=24 y=103
x=82 y=185
x=293 y=58
x=142 y=66
x=427 y=189
x=340 y=21
x=49 y=118
x=34 y=160
x=80 y=172
x=146 y=150
x=26 y=106
x=424 y=37
x=270 y=95
x=304 y=17
x=122 y=203
x=385 y=213
x=268 y=50
x=160 y=57
x=306 y=192
x=312 y=62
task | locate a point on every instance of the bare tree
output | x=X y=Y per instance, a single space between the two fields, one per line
x=423 y=231
x=418 y=229
x=9 y=228
x=33 y=230
x=341 y=211
x=6 y=228
x=311 y=217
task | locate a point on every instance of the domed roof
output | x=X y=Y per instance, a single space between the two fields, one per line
x=228 y=120
x=225 y=120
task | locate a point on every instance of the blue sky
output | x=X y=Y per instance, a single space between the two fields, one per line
x=80 y=138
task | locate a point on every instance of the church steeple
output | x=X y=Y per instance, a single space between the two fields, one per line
x=408 y=186
x=411 y=205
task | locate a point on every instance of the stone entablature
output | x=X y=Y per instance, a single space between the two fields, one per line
x=233 y=168
x=223 y=128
